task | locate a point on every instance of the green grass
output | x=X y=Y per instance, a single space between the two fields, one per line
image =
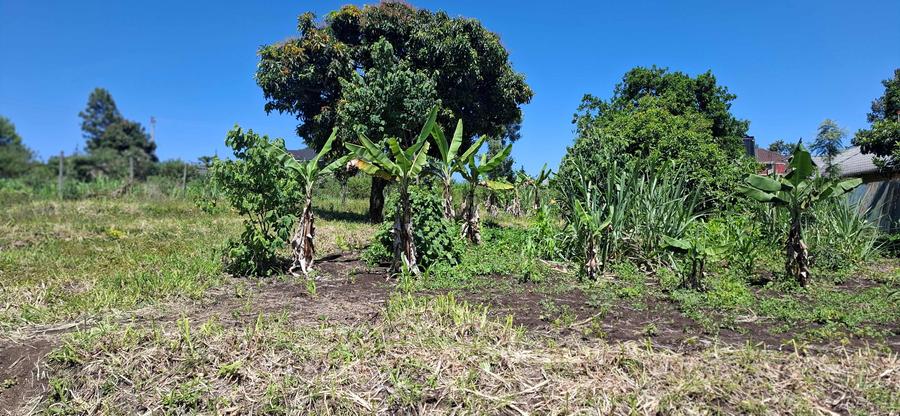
x=65 y=260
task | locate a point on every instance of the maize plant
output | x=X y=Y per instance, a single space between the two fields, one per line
x=307 y=172
x=796 y=192
x=402 y=166
x=445 y=166
x=472 y=171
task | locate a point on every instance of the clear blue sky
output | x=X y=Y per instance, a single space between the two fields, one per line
x=191 y=63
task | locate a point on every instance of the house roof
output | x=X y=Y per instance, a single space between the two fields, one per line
x=852 y=162
x=768 y=156
x=303 y=154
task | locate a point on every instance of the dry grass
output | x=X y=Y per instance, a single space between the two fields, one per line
x=440 y=356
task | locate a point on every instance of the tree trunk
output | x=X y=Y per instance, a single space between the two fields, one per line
x=537 y=199
x=376 y=200
x=516 y=207
x=470 y=230
x=448 y=200
x=404 y=244
x=797 y=263
x=302 y=243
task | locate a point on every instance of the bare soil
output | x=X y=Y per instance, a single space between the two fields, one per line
x=347 y=291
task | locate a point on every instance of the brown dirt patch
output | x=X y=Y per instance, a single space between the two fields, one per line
x=20 y=378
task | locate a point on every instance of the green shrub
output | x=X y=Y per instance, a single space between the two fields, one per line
x=265 y=194
x=437 y=239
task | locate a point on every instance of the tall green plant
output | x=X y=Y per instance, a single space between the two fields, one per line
x=306 y=172
x=538 y=183
x=264 y=193
x=401 y=166
x=446 y=164
x=796 y=192
x=472 y=169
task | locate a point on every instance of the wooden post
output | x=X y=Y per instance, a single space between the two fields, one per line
x=59 y=182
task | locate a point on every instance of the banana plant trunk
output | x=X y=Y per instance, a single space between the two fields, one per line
x=515 y=208
x=797 y=263
x=470 y=230
x=537 y=198
x=448 y=200
x=302 y=241
x=404 y=245
x=591 y=264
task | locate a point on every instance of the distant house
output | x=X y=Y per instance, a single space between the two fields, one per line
x=879 y=195
x=303 y=154
x=773 y=162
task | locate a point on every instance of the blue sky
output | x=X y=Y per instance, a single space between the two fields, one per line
x=191 y=63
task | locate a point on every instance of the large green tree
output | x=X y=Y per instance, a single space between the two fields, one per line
x=15 y=158
x=101 y=112
x=372 y=71
x=829 y=142
x=678 y=121
x=883 y=137
x=112 y=140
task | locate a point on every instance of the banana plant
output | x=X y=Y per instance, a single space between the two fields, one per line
x=796 y=192
x=698 y=253
x=302 y=242
x=445 y=165
x=401 y=166
x=592 y=222
x=521 y=181
x=537 y=184
x=472 y=168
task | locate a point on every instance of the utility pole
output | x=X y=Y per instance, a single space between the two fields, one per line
x=152 y=129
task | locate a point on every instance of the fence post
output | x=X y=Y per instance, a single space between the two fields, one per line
x=59 y=181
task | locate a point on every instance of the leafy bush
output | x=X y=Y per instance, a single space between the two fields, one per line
x=437 y=239
x=265 y=194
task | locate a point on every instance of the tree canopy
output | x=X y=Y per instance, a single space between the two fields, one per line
x=15 y=158
x=829 y=142
x=668 y=117
x=883 y=137
x=376 y=69
x=113 y=139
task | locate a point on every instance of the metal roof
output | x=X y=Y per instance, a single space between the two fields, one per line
x=852 y=162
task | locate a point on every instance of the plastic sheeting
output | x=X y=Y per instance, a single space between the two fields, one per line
x=880 y=201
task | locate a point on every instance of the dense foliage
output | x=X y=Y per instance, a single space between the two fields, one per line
x=883 y=137
x=663 y=116
x=15 y=158
x=437 y=238
x=266 y=194
x=373 y=70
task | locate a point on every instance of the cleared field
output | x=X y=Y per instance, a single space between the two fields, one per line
x=121 y=306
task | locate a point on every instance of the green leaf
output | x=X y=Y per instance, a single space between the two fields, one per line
x=457 y=139
x=495 y=161
x=677 y=243
x=429 y=124
x=399 y=154
x=441 y=142
x=801 y=165
x=419 y=161
x=764 y=183
x=498 y=185
x=473 y=149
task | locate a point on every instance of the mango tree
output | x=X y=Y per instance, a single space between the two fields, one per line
x=401 y=166
x=445 y=165
x=472 y=169
x=306 y=172
x=796 y=192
